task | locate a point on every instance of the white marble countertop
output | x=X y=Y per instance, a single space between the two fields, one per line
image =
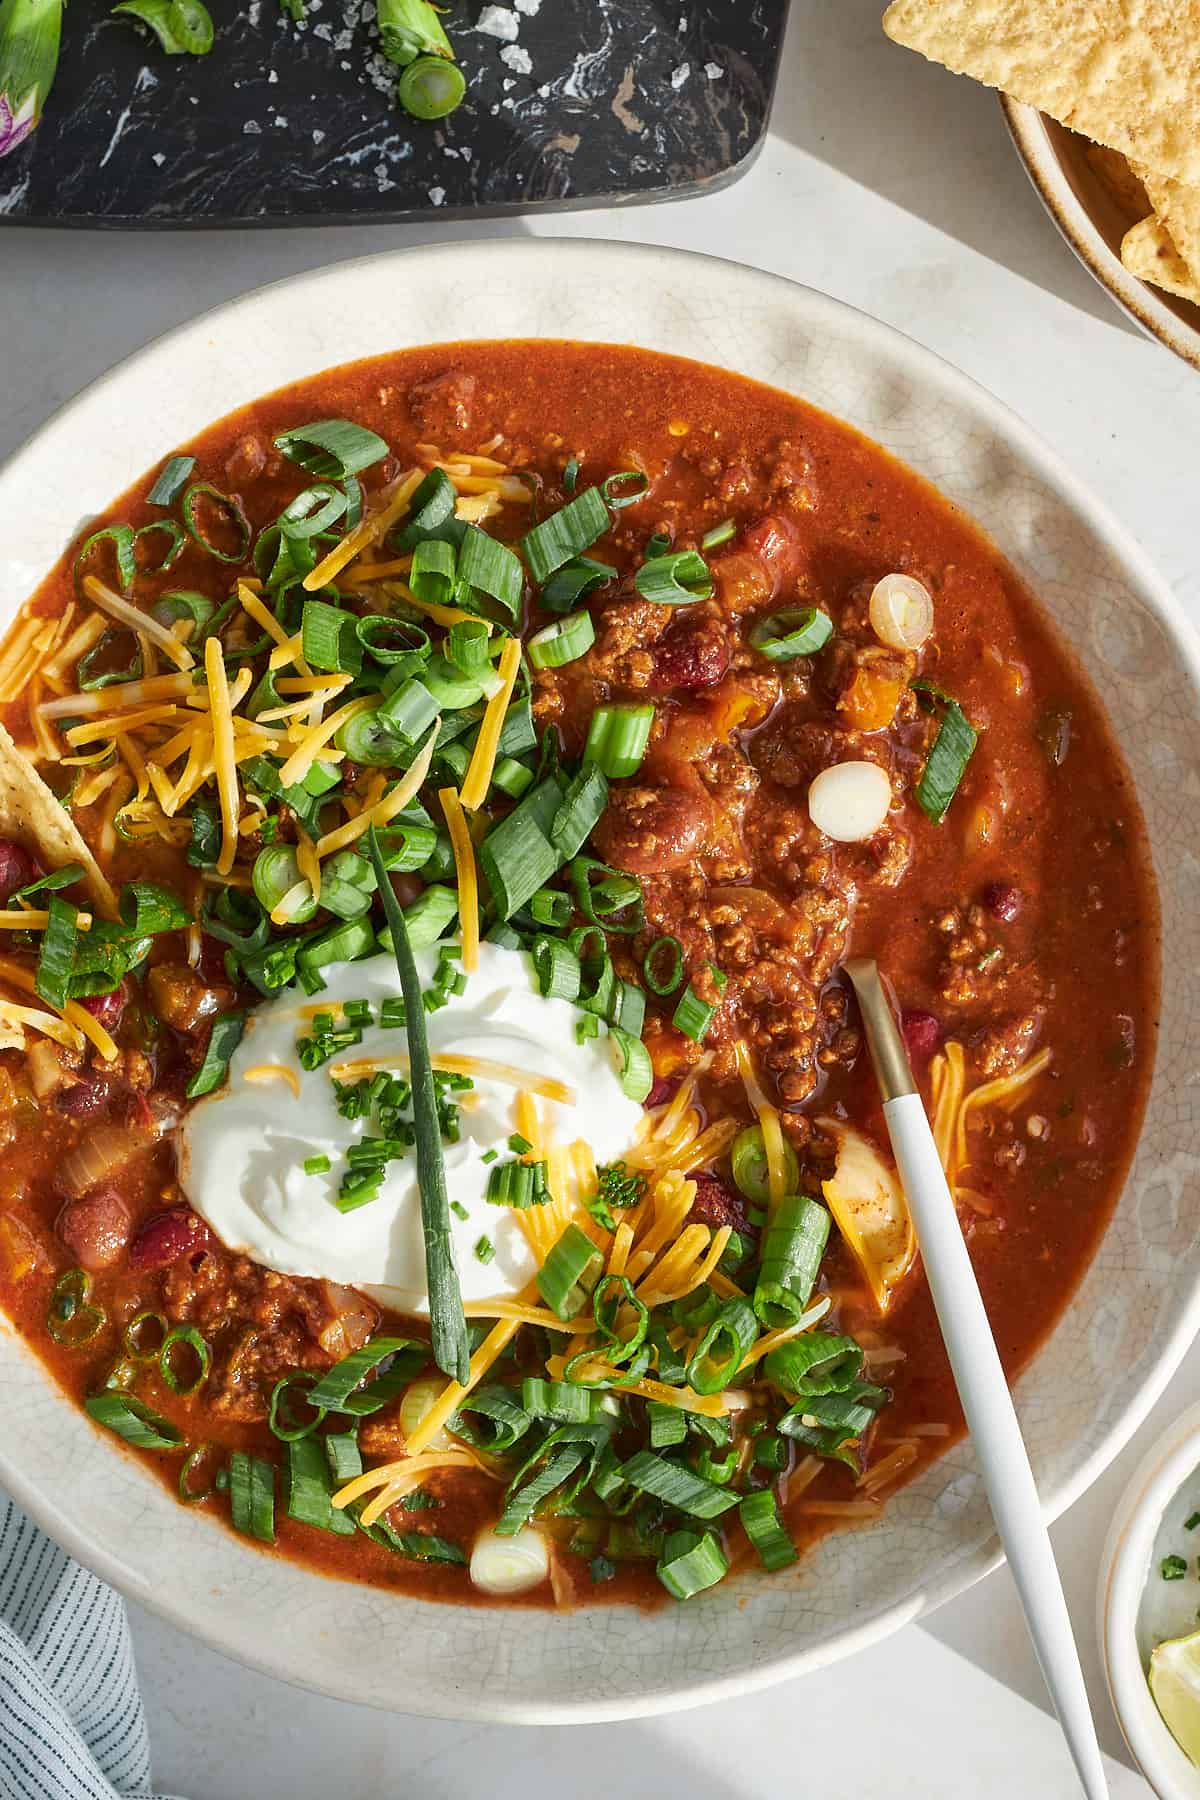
x=891 y=185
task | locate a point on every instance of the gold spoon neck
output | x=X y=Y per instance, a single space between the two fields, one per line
x=884 y=1041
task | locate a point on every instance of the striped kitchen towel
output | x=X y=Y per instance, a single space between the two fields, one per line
x=71 y=1719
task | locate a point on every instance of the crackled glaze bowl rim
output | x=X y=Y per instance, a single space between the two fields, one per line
x=603 y=1663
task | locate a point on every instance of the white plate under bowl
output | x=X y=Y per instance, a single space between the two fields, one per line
x=1137 y=1308
x=1093 y=220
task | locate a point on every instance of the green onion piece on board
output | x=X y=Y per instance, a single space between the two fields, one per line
x=748 y=1159
x=569 y=1273
x=564 y=641
x=129 y=1419
x=447 y=1320
x=792 y=1247
x=759 y=1514
x=676 y=579
x=617 y=739
x=332 y=449
x=182 y=27
x=796 y=631
x=252 y=1496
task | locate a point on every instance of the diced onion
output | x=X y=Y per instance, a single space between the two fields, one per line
x=419 y=1399
x=101 y=1153
x=504 y=1566
x=850 y=801
x=901 y=612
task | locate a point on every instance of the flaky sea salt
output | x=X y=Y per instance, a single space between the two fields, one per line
x=499 y=22
x=517 y=58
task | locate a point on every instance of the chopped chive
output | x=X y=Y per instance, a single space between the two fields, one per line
x=316 y=1165
x=520 y=1146
x=1172 y=1568
x=459 y=1210
x=485 y=1250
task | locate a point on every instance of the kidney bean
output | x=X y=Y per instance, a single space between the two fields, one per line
x=922 y=1034
x=107 y=1009
x=665 y=1088
x=85 y=1097
x=646 y=830
x=1003 y=901
x=166 y=1236
x=688 y=658
x=95 y=1229
x=17 y=867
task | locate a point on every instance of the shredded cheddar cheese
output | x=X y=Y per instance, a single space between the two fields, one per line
x=264 y=1072
x=368 y=531
x=483 y=757
x=223 y=758
x=468 y=881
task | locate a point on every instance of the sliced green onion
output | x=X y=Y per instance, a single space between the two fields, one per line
x=607 y=897
x=230 y=510
x=189 y=1336
x=826 y=1422
x=393 y=642
x=796 y=631
x=792 y=1248
x=315 y=510
x=147 y=909
x=635 y=1071
x=815 y=1363
x=450 y=689
x=349 y=1388
x=91 y=683
x=282 y=1418
x=121 y=537
x=182 y=27
x=183 y=603
x=252 y=1496
x=517 y=856
x=342 y=1455
x=223 y=1040
x=57 y=958
x=135 y=1331
x=518 y=1184
x=341 y=943
x=569 y=1273
x=431 y=576
x=564 y=641
x=625 y=488
x=308 y=1489
x=512 y=777
x=467 y=645
x=668 y=1424
x=663 y=981
x=411 y=28
x=561 y=1401
x=748 y=1159
x=947 y=762
x=71 y=1318
x=675 y=579
x=551 y=906
x=409 y=708
x=676 y=1485
x=724 y=1347
x=197 y=1458
x=505 y=1419
x=171 y=481
x=370 y=739
x=611 y=1295
x=693 y=1016
x=557 y=968
x=427 y=918
x=317 y=1165
x=431 y=511
x=329 y=637
x=582 y=805
x=176 y=538
x=574 y=528
x=574 y=582
x=276 y=878
x=759 y=1514
x=690 y=1563
x=447 y=1321
x=720 y=534
x=129 y=1419
x=331 y=449
x=555 y=1460
x=617 y=738
x=492 y=568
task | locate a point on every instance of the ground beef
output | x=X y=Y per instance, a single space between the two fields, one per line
x=443 y=407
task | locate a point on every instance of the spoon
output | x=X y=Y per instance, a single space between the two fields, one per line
x=980 y=1379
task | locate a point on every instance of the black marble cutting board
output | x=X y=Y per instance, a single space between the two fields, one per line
x=594 y=102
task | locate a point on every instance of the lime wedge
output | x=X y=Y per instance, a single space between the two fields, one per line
x=1175 y=1687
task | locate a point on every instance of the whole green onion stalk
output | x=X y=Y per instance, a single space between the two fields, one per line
x=30 y=31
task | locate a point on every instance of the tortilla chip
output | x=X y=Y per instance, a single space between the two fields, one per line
x=36 y=818
x=1177 y=204
x=1148 y=251
x=1125 y=75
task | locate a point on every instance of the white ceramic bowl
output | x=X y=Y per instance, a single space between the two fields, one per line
x=1139 y=1305
x=1093 y=220
x=1164 y=1486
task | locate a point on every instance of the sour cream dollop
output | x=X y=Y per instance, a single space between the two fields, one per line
x=243 y=1149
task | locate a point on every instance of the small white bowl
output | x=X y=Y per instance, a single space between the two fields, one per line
x=1166 y=1481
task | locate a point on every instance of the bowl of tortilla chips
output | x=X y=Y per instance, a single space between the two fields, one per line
x=1103 y=102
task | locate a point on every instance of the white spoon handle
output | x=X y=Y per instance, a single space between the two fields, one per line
x=995 y=1433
